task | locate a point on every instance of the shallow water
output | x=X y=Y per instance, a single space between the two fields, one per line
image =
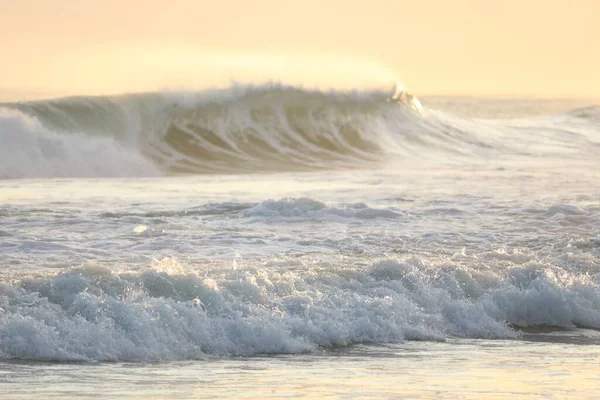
x=454 y=369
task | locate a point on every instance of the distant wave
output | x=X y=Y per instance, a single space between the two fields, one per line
x=249 y=129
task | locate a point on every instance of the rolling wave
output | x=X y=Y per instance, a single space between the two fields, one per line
x=163 y=313
x=257 y=128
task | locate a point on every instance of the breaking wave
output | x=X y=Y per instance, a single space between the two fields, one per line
x=257 y=128
x=166 y=312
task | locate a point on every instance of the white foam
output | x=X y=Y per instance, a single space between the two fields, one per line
x=31 y=150
x=168 y=312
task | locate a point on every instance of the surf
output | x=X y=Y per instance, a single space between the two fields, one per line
x=168 y=312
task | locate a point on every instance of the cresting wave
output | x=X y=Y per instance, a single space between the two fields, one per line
x=165 y=312
x=259 y=128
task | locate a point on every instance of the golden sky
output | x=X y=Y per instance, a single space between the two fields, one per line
x=486 y=47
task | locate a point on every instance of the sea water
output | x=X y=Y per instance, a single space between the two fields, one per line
x=272 y=242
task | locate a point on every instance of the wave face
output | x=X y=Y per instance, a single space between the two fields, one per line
x=266 y=128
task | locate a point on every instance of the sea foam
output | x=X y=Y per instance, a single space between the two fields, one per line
x=171 y=312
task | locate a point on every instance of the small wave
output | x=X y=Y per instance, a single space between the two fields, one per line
x=305 y=207
x=589 y=113
x=283 y=208
x=565 y=209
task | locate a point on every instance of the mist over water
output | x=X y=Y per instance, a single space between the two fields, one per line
x=163 y=66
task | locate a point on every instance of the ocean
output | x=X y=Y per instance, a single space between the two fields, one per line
x=271 y=241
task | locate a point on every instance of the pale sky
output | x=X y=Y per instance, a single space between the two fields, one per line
x=539 y=48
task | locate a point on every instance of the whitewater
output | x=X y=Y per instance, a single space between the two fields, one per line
x=275 y=238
